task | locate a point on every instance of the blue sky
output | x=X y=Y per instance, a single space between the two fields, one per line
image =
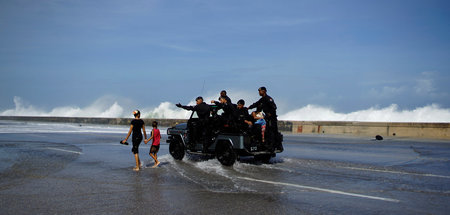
x=347 y=55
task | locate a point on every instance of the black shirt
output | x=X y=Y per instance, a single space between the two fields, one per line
x=228 y=109
x=202 y=110
x=242 y=114
x=267 y=105
x=137 y=126
x=227 y=98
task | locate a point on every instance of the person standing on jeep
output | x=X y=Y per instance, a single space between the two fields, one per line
x=201 y=108
x=268 y=106
x=200 y=132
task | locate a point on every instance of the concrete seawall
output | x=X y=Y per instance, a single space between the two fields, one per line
x=407 y=130
x=385 y=129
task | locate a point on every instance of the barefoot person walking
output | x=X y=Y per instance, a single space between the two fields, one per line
x=156 y=136
x=136 y=125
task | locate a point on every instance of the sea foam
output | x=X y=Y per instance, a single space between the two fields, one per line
x=168 y=110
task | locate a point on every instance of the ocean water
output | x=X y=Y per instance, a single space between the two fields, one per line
x=112 y=108
x=7 y=126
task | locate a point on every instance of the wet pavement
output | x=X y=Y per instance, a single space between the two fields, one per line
x=70 y=169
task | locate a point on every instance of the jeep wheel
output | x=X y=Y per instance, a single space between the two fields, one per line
x=176 y=149
x=225 y=153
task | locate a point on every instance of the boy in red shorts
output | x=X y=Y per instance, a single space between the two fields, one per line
x=156 y=136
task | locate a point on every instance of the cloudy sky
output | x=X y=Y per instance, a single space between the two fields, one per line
x=345 y=55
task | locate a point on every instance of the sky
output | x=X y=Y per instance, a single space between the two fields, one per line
x=345 y=56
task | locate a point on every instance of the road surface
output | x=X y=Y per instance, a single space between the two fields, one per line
x=67 y=169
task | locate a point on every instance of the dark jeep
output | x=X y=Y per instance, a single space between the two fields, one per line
x=223 y=139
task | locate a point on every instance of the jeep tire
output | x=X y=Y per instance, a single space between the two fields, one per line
x=225 y=153
x=176 y=148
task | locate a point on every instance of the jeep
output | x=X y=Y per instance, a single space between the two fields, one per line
x=223 y=139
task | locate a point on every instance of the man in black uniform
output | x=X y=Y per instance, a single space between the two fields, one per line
x=228 y=108
x=200 y=130
x=201 y=108
x=227 y=117
x=223 y=93
x=269 y=107
x=242 y=117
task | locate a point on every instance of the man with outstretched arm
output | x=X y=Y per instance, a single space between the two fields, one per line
x=200 y=131
x=201 y=108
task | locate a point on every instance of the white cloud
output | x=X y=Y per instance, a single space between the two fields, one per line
x=424 y=87
x=387 y=92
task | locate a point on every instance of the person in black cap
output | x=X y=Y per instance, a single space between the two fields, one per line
x=201 y=108
x=200 y=131
x=268 y=106
x=223 y=93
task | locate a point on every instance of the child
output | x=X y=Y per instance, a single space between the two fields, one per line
x=156 y=136
x=136 y=125
x=259 y=117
